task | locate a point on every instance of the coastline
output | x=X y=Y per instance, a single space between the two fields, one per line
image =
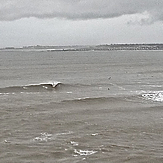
x=106 y=47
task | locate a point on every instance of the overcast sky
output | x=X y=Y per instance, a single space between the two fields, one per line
x=80 y=22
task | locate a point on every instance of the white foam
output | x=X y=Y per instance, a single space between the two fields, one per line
x=154 y=96
x=69 y=92
x=45 y=87
x=6 y=94
x=43 y=137
x=84 y=98
x=74 y=143
x=84 y=152
x=64 y=133
x=94 y=134
x=6 y=141
x=158 y=86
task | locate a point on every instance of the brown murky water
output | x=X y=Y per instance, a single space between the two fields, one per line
x=81 y=107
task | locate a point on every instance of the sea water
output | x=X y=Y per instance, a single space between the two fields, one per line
x=81 y=107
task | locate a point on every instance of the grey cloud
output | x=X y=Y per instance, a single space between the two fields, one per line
x=79 y=9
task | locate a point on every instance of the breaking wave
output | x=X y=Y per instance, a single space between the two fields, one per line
x=154 y=96
x=41 y=87
x=44 y=87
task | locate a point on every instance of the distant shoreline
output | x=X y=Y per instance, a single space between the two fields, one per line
x=105 y=47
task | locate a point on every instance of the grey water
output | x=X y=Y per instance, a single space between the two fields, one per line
x=81 y=107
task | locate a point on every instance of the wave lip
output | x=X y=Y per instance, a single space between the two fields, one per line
x=41 y=87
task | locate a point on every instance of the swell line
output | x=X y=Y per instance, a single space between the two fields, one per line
x=41 y=87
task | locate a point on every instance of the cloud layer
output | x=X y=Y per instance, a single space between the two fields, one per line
x=79 y=9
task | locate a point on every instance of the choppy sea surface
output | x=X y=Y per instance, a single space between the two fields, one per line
x=81 y=107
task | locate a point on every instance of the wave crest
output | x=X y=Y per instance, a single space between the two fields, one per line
x=41 y=87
